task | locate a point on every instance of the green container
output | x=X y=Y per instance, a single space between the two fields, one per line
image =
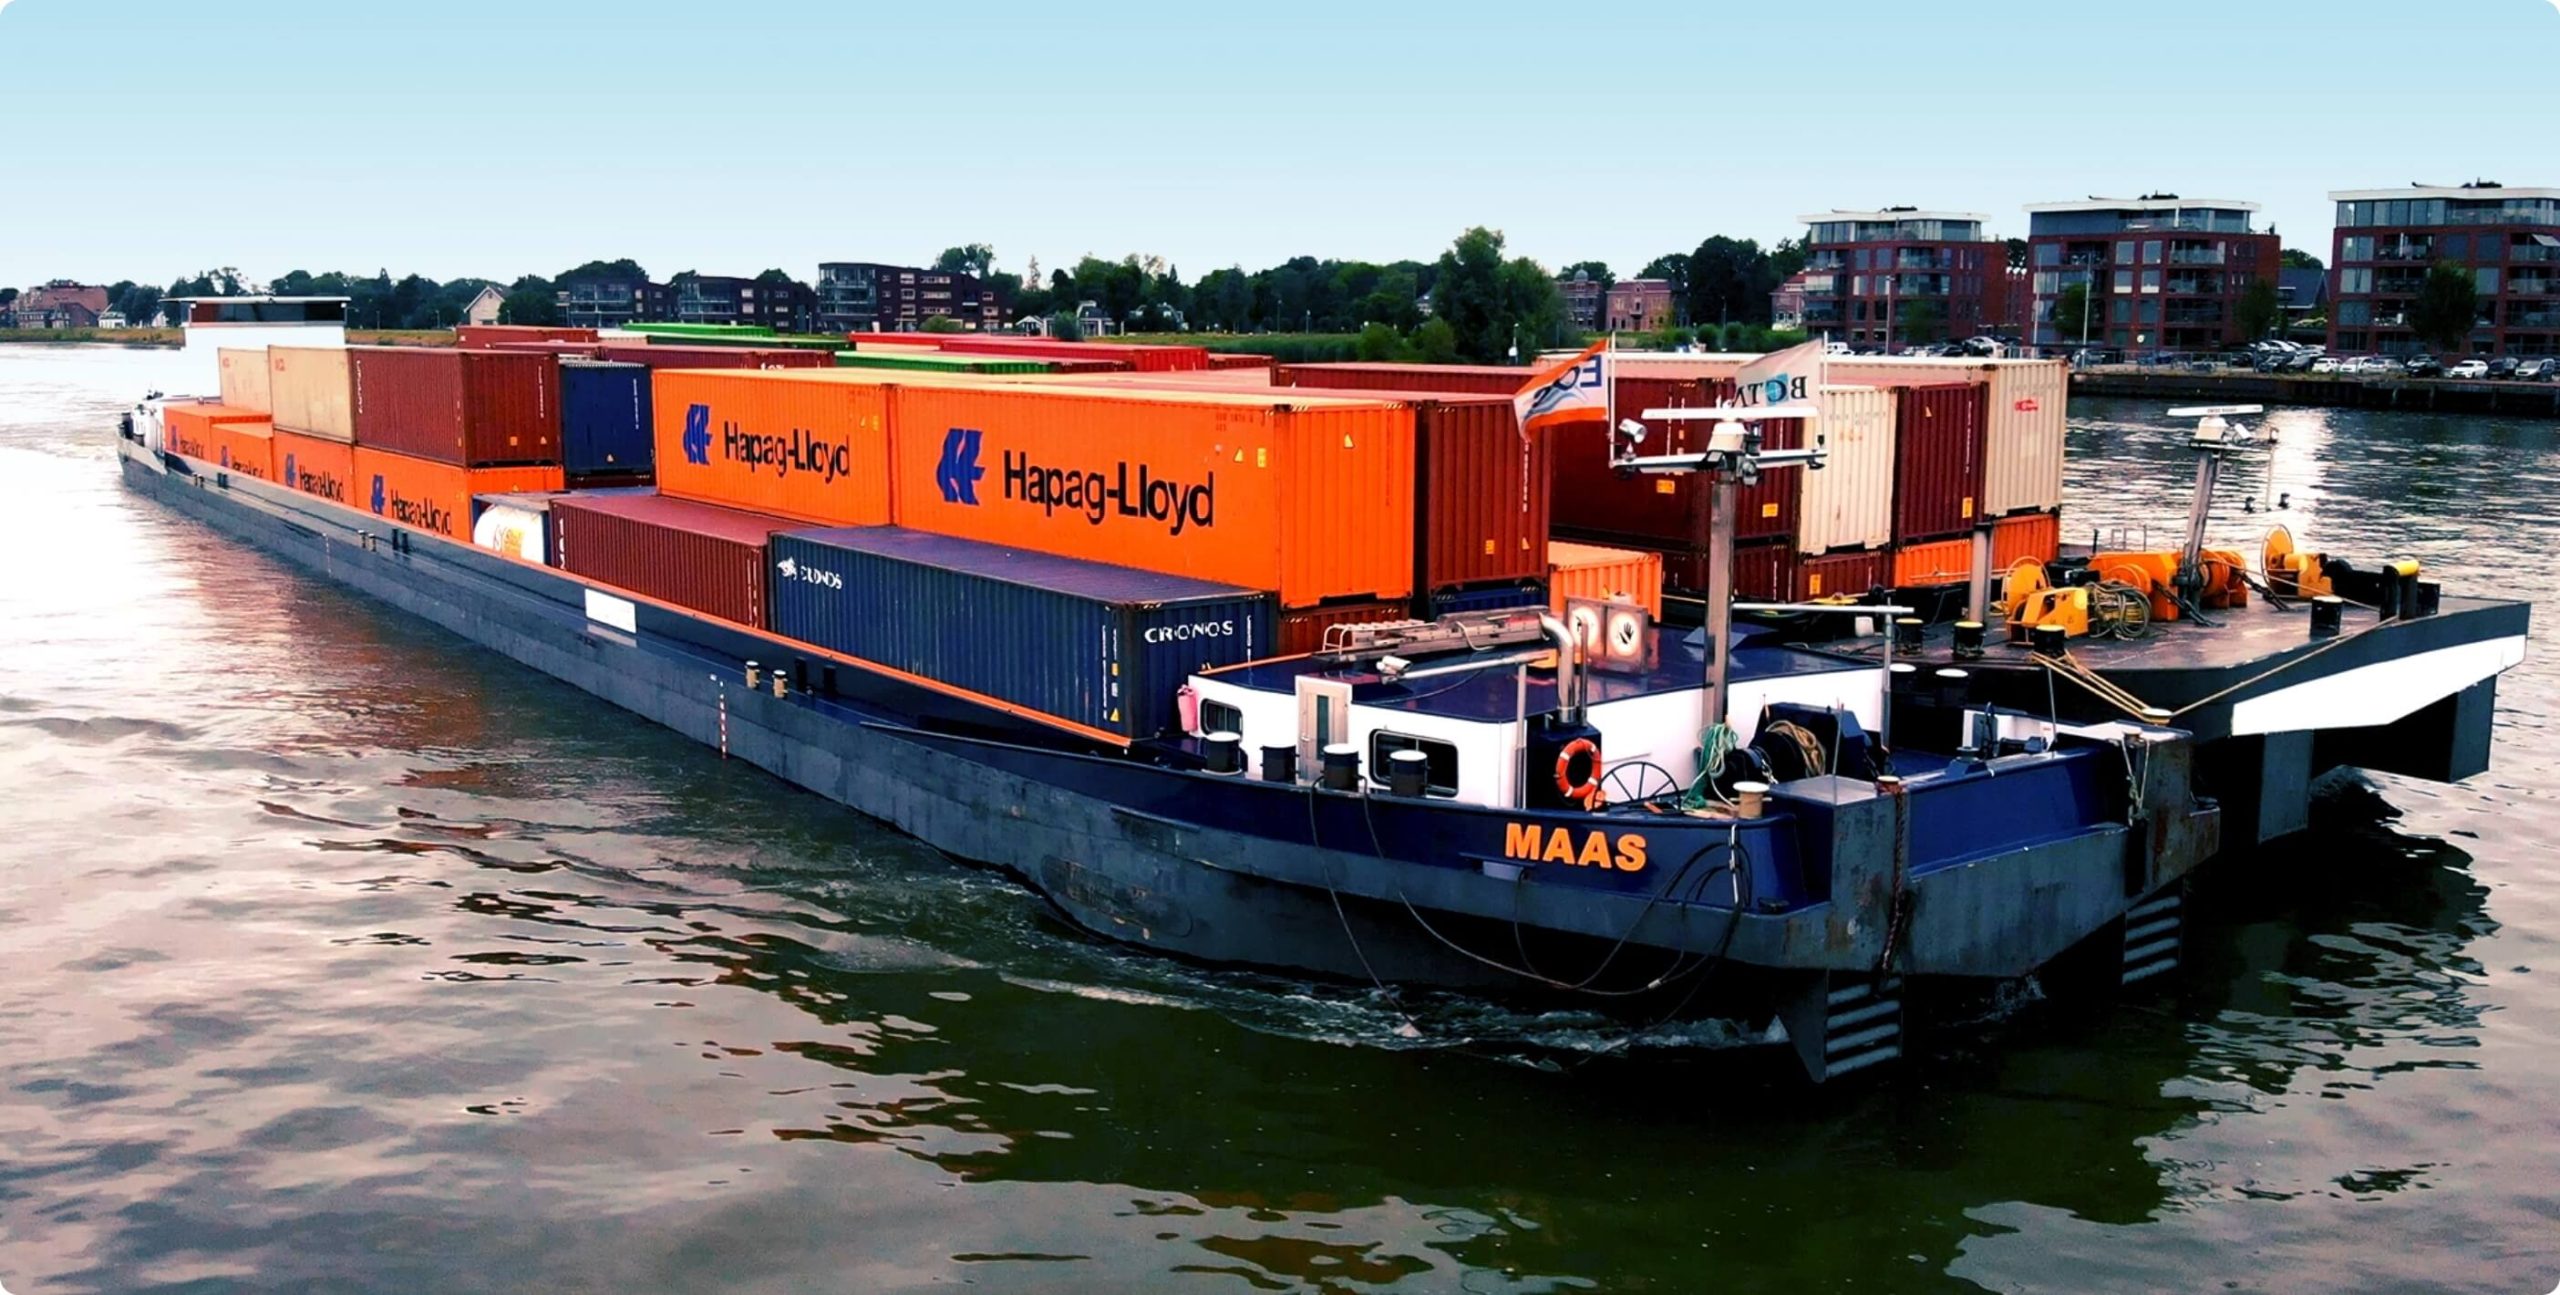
x=943 y=363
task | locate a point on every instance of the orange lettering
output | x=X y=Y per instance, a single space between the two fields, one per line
x=1595 y=851
x=1520 y=840
x=1559 y=848
x=1631 y=853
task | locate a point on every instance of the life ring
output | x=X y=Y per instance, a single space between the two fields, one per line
x=1590 y=784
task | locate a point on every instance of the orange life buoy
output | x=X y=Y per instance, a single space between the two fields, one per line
x=1590 y=784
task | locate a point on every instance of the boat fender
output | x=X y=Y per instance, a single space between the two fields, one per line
x=1588 y=785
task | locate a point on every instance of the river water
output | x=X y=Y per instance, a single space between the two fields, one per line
x=337 y=955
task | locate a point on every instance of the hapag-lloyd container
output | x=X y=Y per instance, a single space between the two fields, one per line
x=1937 y=479
x=1607 y=574
x=466 y=408
x=605 y=423
x=322 y=469
x=1311 y=496
x=309 y=392
x=1101 y=646
x=1302 y=629
x=244 y=378
x=700 y=556
x=714 y=357
x=791 y=443
x=482 y=336
x=238 y=440
x=1848 y=503
x=435 y=496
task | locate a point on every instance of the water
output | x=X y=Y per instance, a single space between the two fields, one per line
x=337 y=956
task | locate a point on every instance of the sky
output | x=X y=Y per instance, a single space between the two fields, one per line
x=151 y=139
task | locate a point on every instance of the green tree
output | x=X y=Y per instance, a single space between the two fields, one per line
x=940 y=324
x=2447 y=306
x=1380 y=342
x=1435 y=343
x=1917 y=321
x=530 y=300
x=2259 y=309
x=1598 y=270
x=971 y=259
x=2017 y=248
x=2076 y=315
x=1730 y=281
x=2295 y=258
x=1492 y=304
x=1064 y=326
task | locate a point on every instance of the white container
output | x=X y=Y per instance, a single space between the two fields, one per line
x=2022 y=456
x=1848 y=504
x=310 y=392
x=244 y=378
x=517 y=532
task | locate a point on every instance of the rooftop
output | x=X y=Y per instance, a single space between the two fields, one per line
x=2141 y=204
x=2465 y=192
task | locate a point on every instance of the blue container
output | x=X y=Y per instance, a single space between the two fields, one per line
x=1489 y=598
x=1097 y=645
x=604 y=418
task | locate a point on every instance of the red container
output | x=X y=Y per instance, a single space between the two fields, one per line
x=580 y=350
x=475 y=337
x=1302 y=631
x=1471 y=379
x=700 y=556
x=1238 y=360
x=1834 y=574
x=716 y=357
x=1938 y=454
x=467 y=408
x=1666 y=512
x=1144 y=359
x=1763 y=571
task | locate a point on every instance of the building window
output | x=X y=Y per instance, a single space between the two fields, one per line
x=2356 y=247
x=2120 y=312
x=2354 y=281
x=1440 y=760
x=2124 y=280
x=2457 y=247
x=2150 y=312
x=2151 y=252
x=2124 y=252
x=2151 y=281
x=2487 y=279
x=2355 y=312
x=2048 y=282
x=2048 y=253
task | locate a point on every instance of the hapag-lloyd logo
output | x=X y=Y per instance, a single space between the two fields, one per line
x=324 y=484
x=799 y=450
x=425 y=514
x=958 y=473
x=1122 y=490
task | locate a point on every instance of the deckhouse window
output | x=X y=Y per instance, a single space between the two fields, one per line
x=1440 y=775
x=1219 y=717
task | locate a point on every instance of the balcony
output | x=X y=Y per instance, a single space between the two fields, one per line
x=2533 y=319
x=2522 y=253
x=1831 y=261
x=2210 y=318
x=2411 y=252
x=2195 y=256
x=1923 y=261
x=2195 y=285
x=2537 y=286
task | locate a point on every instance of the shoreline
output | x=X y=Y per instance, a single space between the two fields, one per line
x=2407 y=395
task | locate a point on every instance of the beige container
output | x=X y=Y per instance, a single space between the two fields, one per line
x=2022 y=455
x=1848 y=504
x=310 y=392
x=244 y=378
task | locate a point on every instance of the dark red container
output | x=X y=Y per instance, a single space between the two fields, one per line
x=1238 y=360
x=1834 y=574
x=717 y=357
x=706 y=558
x=1470 y=379
x=1666 y=511
x=576 y=350
x=472 y=337
x=1937 y=461
x=1302 y=630
x=468 y=408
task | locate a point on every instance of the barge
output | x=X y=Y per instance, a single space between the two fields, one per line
x=1786 y=832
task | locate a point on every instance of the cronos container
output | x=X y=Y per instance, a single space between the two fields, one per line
x=435 y=496
x=322 y=469
x=466 y=408
x=1104 y=647
x=605 y=425
x=1311 y=497
x=789 y=444
x=699 y=556
x=244 y=378
x=1848 y=504
x=309 y=392
x=1937 y=482
x=714 y=357
x=237 y=440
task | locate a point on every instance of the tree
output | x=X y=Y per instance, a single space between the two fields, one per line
x=2075 y=315
x=1730 y=280
x=1493 y=305
x=2017 y=251
x=971 y=259
x=2447 y=306
x=2295 y=258
x=940 y=324
x=1917 y=321
x=2259 y=309
x=1064 y=326
x=1379 y=342
x=1435 y=343
x=1599 y=271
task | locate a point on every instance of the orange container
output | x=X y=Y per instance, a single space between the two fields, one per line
x=775 y=441
x=2025 y=535
x=1937 y=562
x=227 y=437
x=1308 y=496
x=323 y=469
x=244 y=378
x=434 y=496
x=1590 y=571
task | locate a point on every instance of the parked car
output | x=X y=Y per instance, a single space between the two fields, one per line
x=2303 y=362
x=2324 y=364
x=2425 y=366
x=2542 y=370
x=2504 y=366
x=2469 y=369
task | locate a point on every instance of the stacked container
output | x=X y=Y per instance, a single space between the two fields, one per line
x=1669 y=514
x=485 y=336
x=1101 y=646
x=433 y=496
x=697 y=556
x=309 y=392
x=1460 y=379
x=714 y=357
x=235 y=439
x=322 y=469
x=1302 y=629
x=1607 y=574
x=464 y=408
x=244 y=378
x=791 y=444
x=1848 y=503
x=605 y=422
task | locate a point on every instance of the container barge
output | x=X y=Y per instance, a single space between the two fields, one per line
x=1818 y=834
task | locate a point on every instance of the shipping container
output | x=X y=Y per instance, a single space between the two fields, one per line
x=2023 y=451
x=1834 y=575
x=700 y=556
x=234 y=439
x=1302 y=629
x=511 y=525
x=323 y=469
x=714 y=357
x=482 y=336
x=1466 y=379
x=1239 y=360
x=244 y=378
x=565 y=350
x=1848 y=503
x=605 y=425
x=780 y=442
x=1145 y=359
x=309 y=394
x=2025 y=535
x=1610 y=574
x=938 y=362
x=466 y=408
x=1762 y=572
x=1311 y=497
x=1935 y=562
x=1105 y=647
x=432 y=495
x=675 y=329
x=1486 y=598
x=1937 y=480
x=1670 y=510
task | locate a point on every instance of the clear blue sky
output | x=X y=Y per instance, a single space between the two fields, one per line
x=154 y=138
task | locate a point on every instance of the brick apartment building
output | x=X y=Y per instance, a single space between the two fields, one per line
x=1639 y=305
x=1879 y=277
x=612 y=300
x=788 y=306
x=1582 y=300
x=58 y=304
x=2171 y=270
x=2387 y=238
x=864 y=296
